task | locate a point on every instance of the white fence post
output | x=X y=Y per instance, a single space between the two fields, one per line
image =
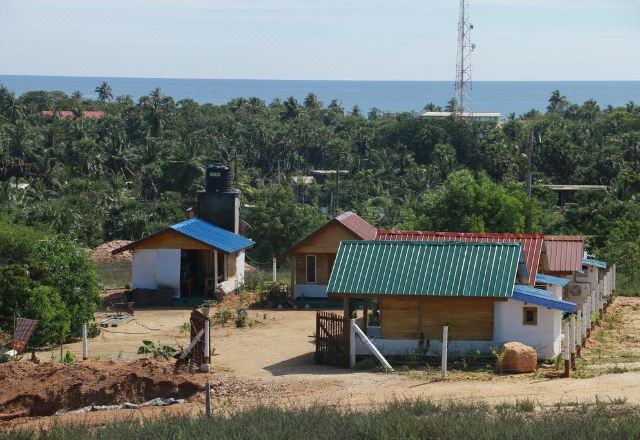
x=85 y=343
x=567 y=356
x=445 y=339
x=207 y=350
x=352 y=343
x=579 y=326
x=367 y=342
x=572 y=339
x=274 y=270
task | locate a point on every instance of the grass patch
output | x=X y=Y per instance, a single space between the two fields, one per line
x=411 y=419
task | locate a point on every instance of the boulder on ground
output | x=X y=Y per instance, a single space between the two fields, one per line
x=518 y=358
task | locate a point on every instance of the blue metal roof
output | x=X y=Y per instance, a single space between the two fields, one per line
x=212 y=235
x=548 y=279
x=541 y=297
x=594 y=262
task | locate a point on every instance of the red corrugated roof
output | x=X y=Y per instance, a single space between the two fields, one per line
x=531 y=243
x=564 y=252
x=92 y=114
x=357 y=225
x=66 y=114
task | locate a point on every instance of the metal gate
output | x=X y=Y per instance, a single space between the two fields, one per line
x=332 y=339
x=197 y=321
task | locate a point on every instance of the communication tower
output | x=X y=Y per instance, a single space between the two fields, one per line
x=463 y=109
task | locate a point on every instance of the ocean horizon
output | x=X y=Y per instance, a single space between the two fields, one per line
x=389 y=96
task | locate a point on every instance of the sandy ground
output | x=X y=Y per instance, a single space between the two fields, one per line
x=276 y=351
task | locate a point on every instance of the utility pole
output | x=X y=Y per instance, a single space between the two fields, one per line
x=529 y=164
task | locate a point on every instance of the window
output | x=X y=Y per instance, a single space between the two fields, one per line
x=311 y=268
x=529 y=316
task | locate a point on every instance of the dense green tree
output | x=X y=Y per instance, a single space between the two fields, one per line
x=276 y=221
x=475 y=204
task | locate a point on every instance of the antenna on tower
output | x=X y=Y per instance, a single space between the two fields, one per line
x=462 y=109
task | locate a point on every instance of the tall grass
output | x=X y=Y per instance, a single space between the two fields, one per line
x=417 y=419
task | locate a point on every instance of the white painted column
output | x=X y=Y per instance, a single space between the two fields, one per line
x=206 y=366
x=445 y=339
x=352 y=343
x=215 y=270
x=572 y=335
x=579 y=326
x=85 y=342
x=274 y=270
x=567 y=355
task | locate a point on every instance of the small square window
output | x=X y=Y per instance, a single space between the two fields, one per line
x=529 y=316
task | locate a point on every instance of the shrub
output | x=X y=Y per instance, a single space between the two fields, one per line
x=157 y=350
x=241 y=318
x=69 y=358
x=275 y=293
x=222 y=316
x=93 y=330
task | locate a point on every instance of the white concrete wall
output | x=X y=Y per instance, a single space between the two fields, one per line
x=240 y=267
x=168 y=270
x=403 y=346
x=143 y=269
x=545 y=337
x=588 y=282
x=555 y=290
x=310 y=290
x=154 y=268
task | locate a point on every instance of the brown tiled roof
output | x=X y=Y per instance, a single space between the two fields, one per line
x=357 y=225
x=564 y=252
x=531 y=243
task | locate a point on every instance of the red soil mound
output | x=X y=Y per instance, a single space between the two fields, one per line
x=29 y=389
x=103 y=253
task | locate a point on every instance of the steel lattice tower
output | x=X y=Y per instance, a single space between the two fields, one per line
x=463 y=63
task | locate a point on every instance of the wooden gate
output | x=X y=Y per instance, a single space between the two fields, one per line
x=197 y=321
x=332 y=339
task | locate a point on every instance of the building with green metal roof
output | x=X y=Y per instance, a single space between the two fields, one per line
x=474 y=288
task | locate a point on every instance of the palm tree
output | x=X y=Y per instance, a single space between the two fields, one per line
x=104 y=92
x=431 y=107
x=451 y=105
x=557 y=102
x=157 y=106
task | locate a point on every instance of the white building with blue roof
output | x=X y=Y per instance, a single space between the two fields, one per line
x=199 y=257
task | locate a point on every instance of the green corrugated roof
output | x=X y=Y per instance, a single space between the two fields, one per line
x=425 y=268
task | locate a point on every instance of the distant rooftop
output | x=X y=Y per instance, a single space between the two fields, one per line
x=577 y=187
x=328 y=172
x=472 y=115
x=303 y=180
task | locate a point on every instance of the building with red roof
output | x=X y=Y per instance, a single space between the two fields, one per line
x=92 y=114
x=311 y=259
x=531 y=243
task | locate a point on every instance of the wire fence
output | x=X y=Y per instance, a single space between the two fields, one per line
x=114 y=275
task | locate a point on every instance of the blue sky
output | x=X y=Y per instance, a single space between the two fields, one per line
x=323 y=39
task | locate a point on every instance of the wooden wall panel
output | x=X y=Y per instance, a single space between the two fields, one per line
x=301 y=268
x=231 y=266
x=326 y=241
x=399 y=317
x=170 y=239
x=323 y=271
x=322 y=268
x=469 y=319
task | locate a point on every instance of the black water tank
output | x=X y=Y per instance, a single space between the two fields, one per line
x=218 y=178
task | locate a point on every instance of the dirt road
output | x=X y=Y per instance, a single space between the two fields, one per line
x=276 y=352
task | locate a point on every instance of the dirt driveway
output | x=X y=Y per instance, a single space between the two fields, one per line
x=277 y=348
